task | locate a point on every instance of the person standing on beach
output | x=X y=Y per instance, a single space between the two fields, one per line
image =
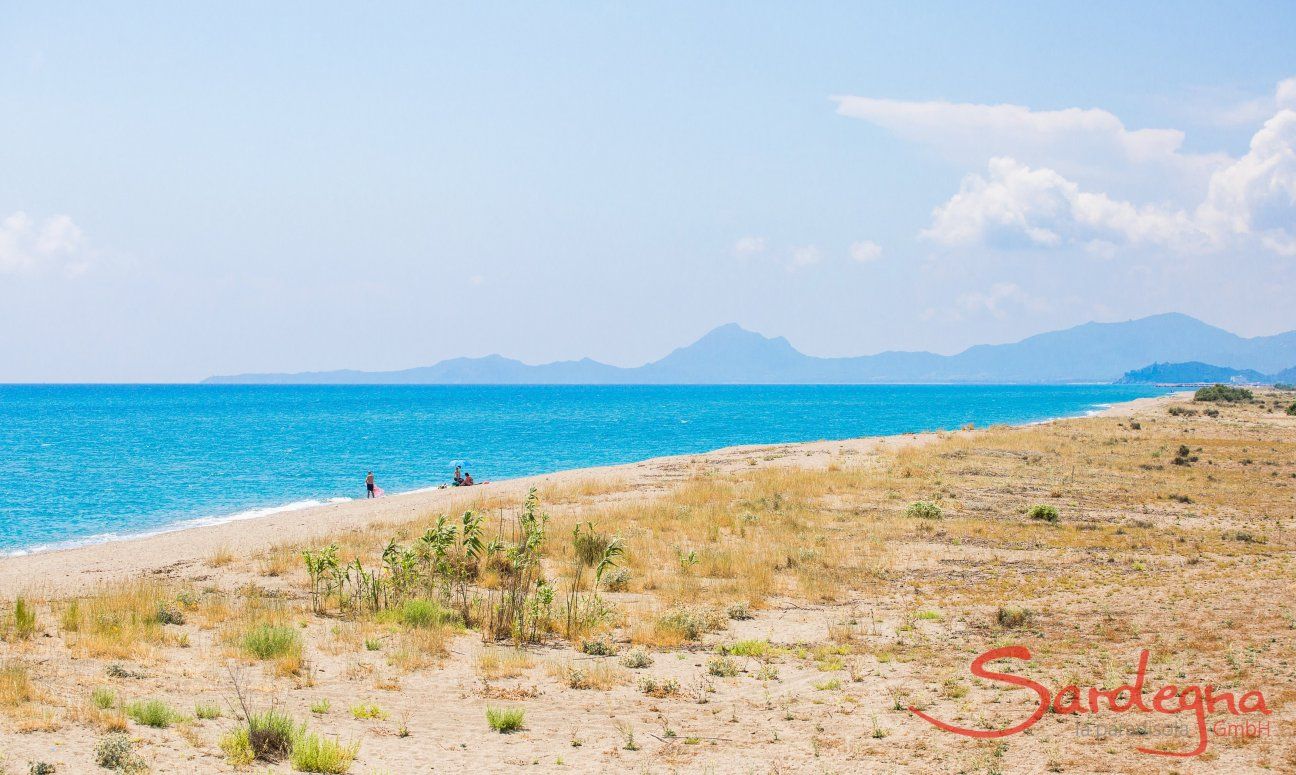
x=369 y=486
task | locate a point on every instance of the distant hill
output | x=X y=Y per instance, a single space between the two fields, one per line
x=1190 y=373
x=1093 y=352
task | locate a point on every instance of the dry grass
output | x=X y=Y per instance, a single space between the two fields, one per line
x=587 y=674
x=494 y=662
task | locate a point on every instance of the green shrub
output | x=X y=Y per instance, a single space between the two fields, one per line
x=616 y=579
x=722 y=667
x=312 y=753
x=363 y=711
x=269 y=735
x=151 y=713
x=599 y=647
x=659 y=687
x=24 y=619
x=168 y=613
x=637 y=658
x=1291 y=410
x=207 y=712
x=103 y=698
x=1043 y=512
x=1225 y=393
x=321 y=706
x=41 y=768
x=924 y=510
x=505 y=720
x=421 y=614
x=690 y=623
x=269 y=642
x=748 y=648
x=739 y=612
x=117 y=752
x=237 y=747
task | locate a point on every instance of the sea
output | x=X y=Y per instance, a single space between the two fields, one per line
x=84 y=464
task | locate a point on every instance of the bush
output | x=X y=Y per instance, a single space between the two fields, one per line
x=1043 y=512
x=422 y=614
x=748 y=648
x=1013 y=617
x=505 y=720
x=270 y=734
x=637 y=658
x=269 y=642
x=924 y=510
x=1291 y=410
x=117 y=752
x=689 y=623
x=659 y=687
x=739 y=612
x=40 y=768
x=616 y=579
x=722 y=667
x=151 y=713
x=312 y=753
x=207 y=712
x=599 y=647
x=169 y=614
x=1225 y=393
x=24 y=619
x=103 y=698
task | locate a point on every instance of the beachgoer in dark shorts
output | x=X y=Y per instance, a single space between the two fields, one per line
x=369 y=485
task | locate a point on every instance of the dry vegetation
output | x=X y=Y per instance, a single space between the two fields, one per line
x=778 y=612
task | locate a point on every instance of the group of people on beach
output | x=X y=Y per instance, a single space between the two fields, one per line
x=461 y=479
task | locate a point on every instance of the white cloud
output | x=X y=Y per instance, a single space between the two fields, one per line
x=1249 y=202
x=1285 y=94
x=30 y=246
x=805 y=256
x=1086 y=143
x=1256 y=195
x=865 y=251
x=749 y=246
x=1018 y=206
x=1254 y=111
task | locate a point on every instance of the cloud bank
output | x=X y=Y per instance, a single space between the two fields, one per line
x=56 y=243
x=1025 y=198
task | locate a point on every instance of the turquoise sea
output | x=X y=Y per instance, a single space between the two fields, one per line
x=83 y=463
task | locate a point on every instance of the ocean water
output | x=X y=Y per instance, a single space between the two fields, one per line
x=82 y=464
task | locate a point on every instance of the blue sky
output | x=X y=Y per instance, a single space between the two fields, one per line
x=188 y=189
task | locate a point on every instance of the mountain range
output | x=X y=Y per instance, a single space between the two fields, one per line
x=1092 y=352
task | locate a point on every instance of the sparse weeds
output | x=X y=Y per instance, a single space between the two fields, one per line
x=151 y=713
x=116 y=752
x=505 y=720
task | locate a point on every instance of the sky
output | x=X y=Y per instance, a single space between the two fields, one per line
x=190 y=189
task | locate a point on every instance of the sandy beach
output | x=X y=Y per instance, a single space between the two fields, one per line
x=771 y=608
x=172 y=553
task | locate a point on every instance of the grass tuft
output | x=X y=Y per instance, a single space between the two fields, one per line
x=505 y=720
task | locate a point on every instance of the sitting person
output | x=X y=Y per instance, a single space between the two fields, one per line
x=467 y=479
x=458 y=478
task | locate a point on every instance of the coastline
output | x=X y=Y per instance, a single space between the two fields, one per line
x=162 y=551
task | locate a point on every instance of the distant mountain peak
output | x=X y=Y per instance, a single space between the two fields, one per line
x=731 y=354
